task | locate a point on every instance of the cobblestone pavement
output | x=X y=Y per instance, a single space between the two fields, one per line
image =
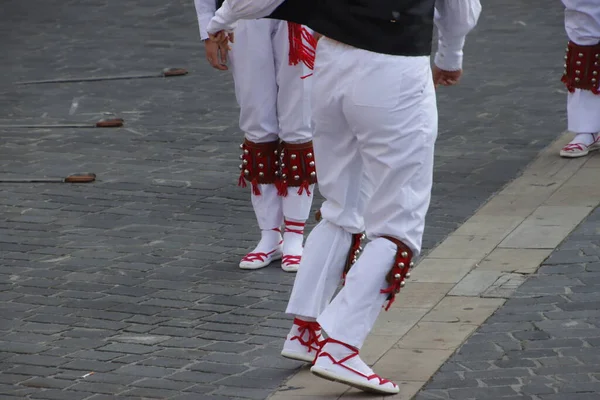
x=543 y=344
x=129 y=288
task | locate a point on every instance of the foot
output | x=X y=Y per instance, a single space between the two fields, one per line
x=303 y=341
x=293 y=237
x=340 y=362
x=581 y=145
x=267 y=251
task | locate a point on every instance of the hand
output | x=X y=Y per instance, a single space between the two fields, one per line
x=445 y=78
x=217 y=49
x=222 y=38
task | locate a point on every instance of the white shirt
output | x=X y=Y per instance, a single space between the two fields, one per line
x=205 y=10
x=582 y=21
x=453 y=18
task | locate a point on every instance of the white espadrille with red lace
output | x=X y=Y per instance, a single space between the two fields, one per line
x=293 y=236
x=303 y=342
x=581 y=145
x=268 y=250
x=340 y=362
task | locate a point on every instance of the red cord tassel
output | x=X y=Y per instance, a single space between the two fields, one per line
x=391 y=290
x=352 y=254
x=299 y=51
x=281 y=189
x=305 y=186
x=242 y=181
x=255 y=187
x=568 y=83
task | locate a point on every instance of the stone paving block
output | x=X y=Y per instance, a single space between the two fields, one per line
x=467 y=310
x=60 y=395
x=475 y=283
x=407 y=391
x=376 y=346
x=421 y=294
x=525 y=261
x=573 y=194
x=307 y=385
x=411 y=364
x=466 y=247
x=436 y=335
x=514 y=205
x=441 y=270
x=397 y=321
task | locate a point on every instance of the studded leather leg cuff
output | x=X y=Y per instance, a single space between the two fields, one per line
x=400 y=270
x=297 y=167
x=582 y=68
x=355 y=249
x=260 y=164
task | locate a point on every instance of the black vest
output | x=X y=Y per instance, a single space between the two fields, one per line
x=397 y=27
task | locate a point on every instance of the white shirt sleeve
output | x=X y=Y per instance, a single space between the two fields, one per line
x=205 y=10
x=234 y=10
x=454 y=20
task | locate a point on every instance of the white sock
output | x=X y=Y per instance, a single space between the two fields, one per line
x=269 y=241
x=584 y=138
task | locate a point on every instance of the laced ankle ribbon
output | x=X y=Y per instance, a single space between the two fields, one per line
x=341 y=362
x=300 y=225
x=293 y=259
x=313 y=343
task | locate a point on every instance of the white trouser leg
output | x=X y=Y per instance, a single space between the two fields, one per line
x=320 y=270
x=339 y=167
x=293 y=96
x=351 y=315
x=293 y=108
x=267 y=207
x=296 y=208
x=392 y=111
x=583 y=111
x=253 y=67
x=254 y=76
x=583 y=107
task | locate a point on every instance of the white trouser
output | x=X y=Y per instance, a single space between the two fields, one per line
x=583 y=111
x=375 y=126
x=274 y=99
x=582 y=23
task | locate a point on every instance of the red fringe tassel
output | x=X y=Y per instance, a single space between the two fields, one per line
x=281 y=189
x=302 y=45
x=255 y=187
x=305 y=186
x=242 y=181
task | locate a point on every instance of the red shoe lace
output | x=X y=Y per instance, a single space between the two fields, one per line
x=311 y=328
x=291 y=260
x=251 y=257
x=574 y=146
x=341 y=362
